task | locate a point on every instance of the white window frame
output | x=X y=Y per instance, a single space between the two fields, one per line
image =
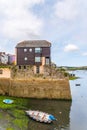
x=38 y=50
x=25 y=58
x=37 y=59
x=25 y=50
x=30 y=50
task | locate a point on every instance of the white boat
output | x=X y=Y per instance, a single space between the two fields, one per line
x=41 y=116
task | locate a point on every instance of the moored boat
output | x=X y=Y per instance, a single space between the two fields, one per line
x=77 y=84
x=8 y=101
x=41 y=116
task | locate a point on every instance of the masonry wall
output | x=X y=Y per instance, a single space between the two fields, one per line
x=5 y=73
x=23 y=83
x=30 y=72
x=36 y=88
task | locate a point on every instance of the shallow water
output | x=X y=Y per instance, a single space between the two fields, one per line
x=78 y=113
x=70 y=115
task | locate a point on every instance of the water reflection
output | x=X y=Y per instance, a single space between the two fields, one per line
x=60 y=109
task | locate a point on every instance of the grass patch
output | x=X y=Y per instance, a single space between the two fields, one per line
x=21 y=123
x=73 y=78
x=16 y=111
x=20 y=103
x=9 y=128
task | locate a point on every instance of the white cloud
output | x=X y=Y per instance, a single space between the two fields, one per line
x=18 y=21
x=84 y=54
x=65 y=9
x=68 y=9
x=70 y=47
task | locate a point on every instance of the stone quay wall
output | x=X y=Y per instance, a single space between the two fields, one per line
x=36 y=88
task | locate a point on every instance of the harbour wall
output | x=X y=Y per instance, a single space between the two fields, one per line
x=36 y=88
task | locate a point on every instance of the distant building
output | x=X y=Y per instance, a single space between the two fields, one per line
x=3 y=58
x=5 y=73
x=11 y=59
x=34 y=52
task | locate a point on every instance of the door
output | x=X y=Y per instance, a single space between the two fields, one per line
x=37 y=69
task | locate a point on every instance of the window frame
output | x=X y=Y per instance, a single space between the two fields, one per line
x=36 y=59
x=38 y=50
x=25 y=58
x=25 y=49
x=30 y=49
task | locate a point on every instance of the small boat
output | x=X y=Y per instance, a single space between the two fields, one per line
x=40 y=116
x=8 y=101
x=77 y=84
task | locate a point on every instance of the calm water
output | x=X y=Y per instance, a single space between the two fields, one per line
x=70 y=115
x=78 y=113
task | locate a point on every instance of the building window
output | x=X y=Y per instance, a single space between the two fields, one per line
x=30 y=50
x=1 y=71
x=25 y=50
x=38 y=50
x=47 y=61
x=25 y=58
x=37 y=59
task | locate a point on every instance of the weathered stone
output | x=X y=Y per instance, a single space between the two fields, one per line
x=36 y=88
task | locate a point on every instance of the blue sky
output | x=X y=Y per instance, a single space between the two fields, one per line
x=61 y=22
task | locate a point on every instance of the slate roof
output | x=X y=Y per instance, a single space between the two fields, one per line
x=34 y=43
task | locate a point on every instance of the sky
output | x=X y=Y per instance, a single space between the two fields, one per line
x=61 y=22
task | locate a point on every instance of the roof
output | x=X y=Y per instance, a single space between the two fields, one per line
x=34 y=43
